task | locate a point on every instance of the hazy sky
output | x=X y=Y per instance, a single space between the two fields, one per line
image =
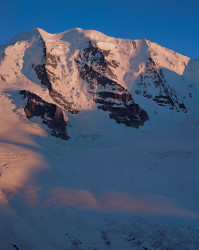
x=171 y=23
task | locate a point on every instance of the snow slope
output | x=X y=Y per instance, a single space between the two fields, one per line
x=109 y=186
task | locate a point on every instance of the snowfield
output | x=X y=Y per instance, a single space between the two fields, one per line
x=109 y=186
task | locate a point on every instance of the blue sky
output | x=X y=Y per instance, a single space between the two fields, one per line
x=171 y=23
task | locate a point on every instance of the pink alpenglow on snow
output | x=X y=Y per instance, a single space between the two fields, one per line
x=98 y=143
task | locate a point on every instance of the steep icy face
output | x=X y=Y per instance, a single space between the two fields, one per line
x=154 y=85
x=156 y=73
x=152 y=74
x=11 y=61
x=191 y=76
x=12 y=54
x=82 y=70
x=162 y=78
x=108 y=94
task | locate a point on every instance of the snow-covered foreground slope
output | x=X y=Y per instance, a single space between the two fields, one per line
x=130 y=182
x=109 y=186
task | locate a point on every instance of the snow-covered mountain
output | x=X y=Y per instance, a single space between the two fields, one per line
x=129 y=182
x=79 y=70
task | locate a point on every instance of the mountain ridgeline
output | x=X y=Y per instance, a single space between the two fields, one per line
x=81 y=70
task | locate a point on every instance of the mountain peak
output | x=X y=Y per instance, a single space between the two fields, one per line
x=85 y=69
x=25 y=36
x=37 y=29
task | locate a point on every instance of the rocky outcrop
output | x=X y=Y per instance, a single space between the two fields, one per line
x=97 y=72
x=48 y=78
x=40 y=69
x=51 y=114
x=107 y=93
x=163 y=95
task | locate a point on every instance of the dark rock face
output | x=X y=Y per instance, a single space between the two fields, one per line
x=61 y=100
x=107 y=93
x=51 y=115
x=2 y=78
x=165 y=95
x=40 y=69
x=47 y=78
